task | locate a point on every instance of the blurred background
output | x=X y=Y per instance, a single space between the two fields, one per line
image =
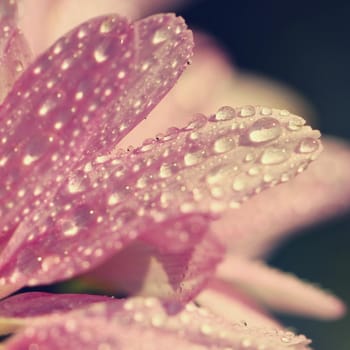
x=306 y=45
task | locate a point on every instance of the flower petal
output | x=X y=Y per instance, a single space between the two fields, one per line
x=316 y=195
x=202 y=169
x=14 y=51
x=146 y=270
x=222 y=299
x=279 y=290
x=142 y=324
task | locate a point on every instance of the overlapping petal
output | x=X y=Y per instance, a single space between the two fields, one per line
x=278 y=290
x=141 y=324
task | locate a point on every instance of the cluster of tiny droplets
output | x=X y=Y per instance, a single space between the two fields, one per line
x=76 y=103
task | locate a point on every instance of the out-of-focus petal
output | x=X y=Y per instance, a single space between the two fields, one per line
x=49 y=19
x=318 y=194
x=223 y=299
x=14 y=51
x=278 y=290
x=212 y=81
x=142 y=324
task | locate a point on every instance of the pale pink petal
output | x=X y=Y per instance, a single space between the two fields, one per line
x=142 y=324
x=146 y=270
x=278 y=290
x=14 y=52
x=49 y=19
x=318 y=194
x=222 y=299
x=203 y=169
x=99 y=85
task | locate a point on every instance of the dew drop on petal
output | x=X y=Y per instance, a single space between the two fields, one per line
x=308 y=145
x=246 y=111
x=159 y=36
x=224 y=113
x=224 y=144
x=274 y=156
x=193 y=158
x=264 y=130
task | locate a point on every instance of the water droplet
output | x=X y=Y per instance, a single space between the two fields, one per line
x=107 y=25
x=217 y=192
x=224 y=144
x=198 y=122
x=246 y=111
x=254 y=171
x=19 y=67
x=159 y=36
x=238 y=184
x=69 y=228
x=266 y=111
x=295 y=124
x=101 y=51
x=308 y=145
x=193 y=158
x=224 y=113
x=165 y=170
x=77 y=184
x=274 y=156
x=113 y=199
x=264 y=130
x=49 y=262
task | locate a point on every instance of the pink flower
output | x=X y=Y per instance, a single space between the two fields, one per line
x=71 y=200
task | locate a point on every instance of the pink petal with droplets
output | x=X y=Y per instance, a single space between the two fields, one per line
x=14 y=51
x=84 y=95
x=174 y=278
x=209 y=166
x=316 y=195
x=142 y=324
x=279 y=290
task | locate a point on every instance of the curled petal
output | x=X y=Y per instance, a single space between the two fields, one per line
x=279 y=290
x=142 y=323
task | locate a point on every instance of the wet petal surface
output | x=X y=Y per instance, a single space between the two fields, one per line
x=142 y=324
x=211 y=165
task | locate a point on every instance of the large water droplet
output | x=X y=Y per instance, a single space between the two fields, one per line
x=224 y=144
x=308 y=145
x=224 y=113
x=274 y=156
x=264 y=130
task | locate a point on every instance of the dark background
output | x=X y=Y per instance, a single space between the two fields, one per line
x=305 y=44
